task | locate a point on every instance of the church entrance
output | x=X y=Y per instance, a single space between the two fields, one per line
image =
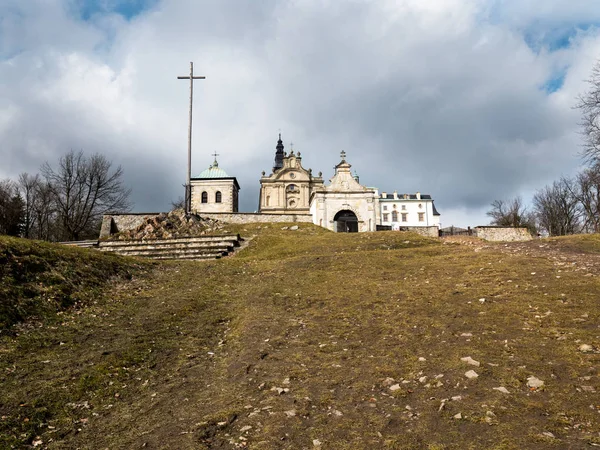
x=346 y=222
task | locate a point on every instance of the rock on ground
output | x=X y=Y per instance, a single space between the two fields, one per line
x=169 y=225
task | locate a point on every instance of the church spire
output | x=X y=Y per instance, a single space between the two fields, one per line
x=279 y=155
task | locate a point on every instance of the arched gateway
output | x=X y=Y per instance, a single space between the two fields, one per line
x=345 y=205
x=346 y=222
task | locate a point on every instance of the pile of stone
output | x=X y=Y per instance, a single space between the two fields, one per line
x=171 y=225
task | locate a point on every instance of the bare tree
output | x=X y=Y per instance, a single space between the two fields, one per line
x=84 y=189
x=27 y=188
x=557 y=208
x=588 y=195
x=11 y=209
x=511 y=213
x=589 y=104
x=178 y=204
x=45 y=213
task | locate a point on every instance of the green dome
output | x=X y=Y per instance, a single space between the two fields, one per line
x=213 y=172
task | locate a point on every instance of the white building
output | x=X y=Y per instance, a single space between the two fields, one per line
x=408 y=210
x=344 y=205
x=214 y=191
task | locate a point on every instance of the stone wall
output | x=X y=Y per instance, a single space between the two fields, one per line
x=113 y=223
x=258 y=218
x=503 y=234
x=432 y=231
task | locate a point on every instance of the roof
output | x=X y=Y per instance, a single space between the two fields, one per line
x=214 y=171
x=408 y=197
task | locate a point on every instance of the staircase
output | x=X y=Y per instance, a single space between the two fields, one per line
x=190 y=248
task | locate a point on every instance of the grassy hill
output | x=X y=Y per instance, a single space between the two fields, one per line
x=309 y=339
x=39 y=279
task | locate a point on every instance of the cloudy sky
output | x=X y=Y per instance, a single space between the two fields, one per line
x=466 y=100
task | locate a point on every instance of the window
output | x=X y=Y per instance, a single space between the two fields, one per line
x=404 y=217
x=394 y=216
x=218 y=197
x=421 y=217
x=386 y=217
x=385 y=207
x=403 y=207
x=204 y=197
x=292 y=187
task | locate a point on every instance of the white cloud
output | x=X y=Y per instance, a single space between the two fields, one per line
x=443 y=97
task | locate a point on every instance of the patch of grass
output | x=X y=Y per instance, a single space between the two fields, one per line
x=583 y=243
x=39 y=279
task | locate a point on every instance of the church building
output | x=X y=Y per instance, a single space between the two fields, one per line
x=288 y=188
x=214 y=191
x=345 y=205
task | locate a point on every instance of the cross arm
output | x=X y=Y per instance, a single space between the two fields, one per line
x=188 y=77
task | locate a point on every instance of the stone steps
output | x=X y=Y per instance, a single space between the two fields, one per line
x=189 y=248
x=82 y=244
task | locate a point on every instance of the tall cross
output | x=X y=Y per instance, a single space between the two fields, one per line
x=343 y=154
x=215 y=154
x=188 y=187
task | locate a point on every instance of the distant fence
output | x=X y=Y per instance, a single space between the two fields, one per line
x=456 y=231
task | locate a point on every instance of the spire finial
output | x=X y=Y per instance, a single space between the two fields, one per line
x=215 y=163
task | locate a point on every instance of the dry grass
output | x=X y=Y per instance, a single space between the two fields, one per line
x=197 y=355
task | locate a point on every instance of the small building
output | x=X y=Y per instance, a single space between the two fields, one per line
x=408 y=210
x=345 y=205
x=214 y=191
x=288 y=188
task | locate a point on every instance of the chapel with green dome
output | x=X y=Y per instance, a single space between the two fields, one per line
x=214 y=191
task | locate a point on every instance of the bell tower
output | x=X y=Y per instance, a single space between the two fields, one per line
x=279 y=154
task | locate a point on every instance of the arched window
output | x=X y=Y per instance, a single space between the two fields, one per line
x=218 y=197
x=291 y=187
x=204 y=197
x=394 y=216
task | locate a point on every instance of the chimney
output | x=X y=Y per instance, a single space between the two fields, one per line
x=383 y=195
x=418 y=196
x=395 y=195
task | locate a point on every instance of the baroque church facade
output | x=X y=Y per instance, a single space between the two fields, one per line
x=288 y=189
x=344 y=205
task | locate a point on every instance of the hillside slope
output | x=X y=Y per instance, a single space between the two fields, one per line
x=38 y=279
x=309 y=339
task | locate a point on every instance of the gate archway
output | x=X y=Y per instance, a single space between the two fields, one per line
x=346 y=221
